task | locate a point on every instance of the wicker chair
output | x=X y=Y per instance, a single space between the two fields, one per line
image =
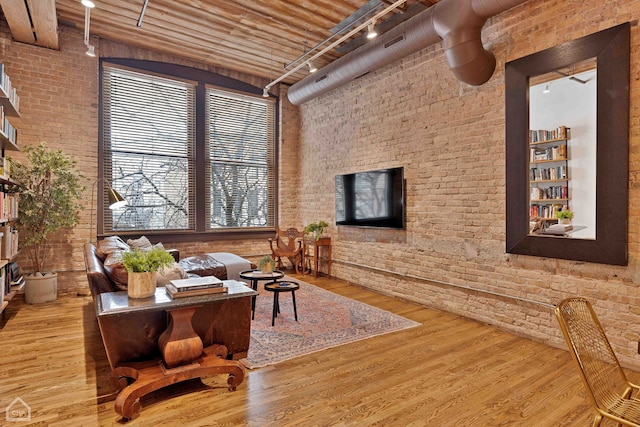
x=606 y=383
x=287 y=243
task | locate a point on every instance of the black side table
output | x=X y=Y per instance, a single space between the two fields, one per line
x=254 y=276
x=277 y=288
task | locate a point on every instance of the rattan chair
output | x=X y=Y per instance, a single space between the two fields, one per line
x=607 y=385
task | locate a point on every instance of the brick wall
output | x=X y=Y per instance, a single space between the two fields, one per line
x=59 y=104
x=449 y=136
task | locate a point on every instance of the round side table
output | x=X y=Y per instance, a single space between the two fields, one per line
x=277 y=288
x=254 y=276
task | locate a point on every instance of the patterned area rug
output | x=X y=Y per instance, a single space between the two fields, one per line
x=325 y=320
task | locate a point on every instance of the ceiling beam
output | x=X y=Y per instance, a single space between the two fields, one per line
x=17 y=15
x=45 y=22
x=32 y=21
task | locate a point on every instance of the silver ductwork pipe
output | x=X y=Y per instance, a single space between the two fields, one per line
x=458 y=23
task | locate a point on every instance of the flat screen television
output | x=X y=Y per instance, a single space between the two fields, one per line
x=371 y=199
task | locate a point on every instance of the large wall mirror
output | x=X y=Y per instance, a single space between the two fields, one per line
x=567 y=139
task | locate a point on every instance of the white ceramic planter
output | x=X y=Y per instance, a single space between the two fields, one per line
x=40 y=289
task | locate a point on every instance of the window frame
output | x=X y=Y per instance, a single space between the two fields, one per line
x=203 y=79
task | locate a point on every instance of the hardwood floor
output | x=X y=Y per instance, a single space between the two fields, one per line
x=447 y=372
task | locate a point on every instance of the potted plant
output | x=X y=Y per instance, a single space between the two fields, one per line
x=142 y=267
x=316 y=228
x=50 y=187
x=564 y=216
x=266 y=264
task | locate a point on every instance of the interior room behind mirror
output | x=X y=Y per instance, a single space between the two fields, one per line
x=563 y=148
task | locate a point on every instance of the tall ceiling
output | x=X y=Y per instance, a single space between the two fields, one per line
x=259 y=37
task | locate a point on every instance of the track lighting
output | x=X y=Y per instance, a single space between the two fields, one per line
x=312 y=68
x=88 y=5
x=371 y=31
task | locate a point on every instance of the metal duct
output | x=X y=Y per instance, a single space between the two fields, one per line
x=457 y=22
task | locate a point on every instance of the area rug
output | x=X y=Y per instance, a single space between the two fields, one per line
x=325 y=320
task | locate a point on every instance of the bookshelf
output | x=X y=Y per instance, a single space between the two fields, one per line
x=548 y=173
x=9 y=108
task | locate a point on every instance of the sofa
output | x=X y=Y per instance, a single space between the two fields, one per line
x=135 y=338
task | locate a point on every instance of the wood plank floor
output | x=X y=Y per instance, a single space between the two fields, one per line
x=447 y=372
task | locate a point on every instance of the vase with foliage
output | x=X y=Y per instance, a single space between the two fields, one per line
x=266 y=264
x=142 y=267
x=50 y=188
x=564 y=216
x=316 y=228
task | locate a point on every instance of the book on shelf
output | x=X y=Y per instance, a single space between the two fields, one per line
x=196 y=283
x=174 y=293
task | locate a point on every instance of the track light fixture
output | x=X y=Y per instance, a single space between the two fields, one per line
x=88 y=5
x=312 y=68
x=357 y=29
x=371 y=30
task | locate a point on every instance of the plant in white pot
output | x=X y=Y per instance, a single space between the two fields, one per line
x=316 y=228
x=142 y=267
x=50 y=188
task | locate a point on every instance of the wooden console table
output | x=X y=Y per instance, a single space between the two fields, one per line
x=313 y=254
x=182 y=355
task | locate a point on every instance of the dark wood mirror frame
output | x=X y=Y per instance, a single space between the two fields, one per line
x=611 y=48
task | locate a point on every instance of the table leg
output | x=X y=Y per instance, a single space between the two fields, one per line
x=179 y=343
x=295 y=310
x=141 y=378
x=254 y=286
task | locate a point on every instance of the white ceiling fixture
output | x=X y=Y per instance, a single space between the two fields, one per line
x=88 y=5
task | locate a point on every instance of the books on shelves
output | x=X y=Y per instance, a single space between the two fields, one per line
x=7 y=87
x=175 y=293
x=196 y=283
x=541 y=135
x=9 y=242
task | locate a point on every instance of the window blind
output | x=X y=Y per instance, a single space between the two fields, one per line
x=148 y=125
x=240 y=166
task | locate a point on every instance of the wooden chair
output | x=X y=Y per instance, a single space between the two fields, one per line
x=607 y=385
x=287 y=243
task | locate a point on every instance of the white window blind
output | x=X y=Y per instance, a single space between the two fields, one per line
x=240 y=145
x=149 y=149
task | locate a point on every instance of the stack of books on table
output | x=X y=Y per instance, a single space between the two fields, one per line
x=558 y=229
x=195 y=286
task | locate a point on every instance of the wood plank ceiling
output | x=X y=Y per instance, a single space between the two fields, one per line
x=259 y=37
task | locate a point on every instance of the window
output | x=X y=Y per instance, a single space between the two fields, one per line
x=151 y=141
x=240 y=158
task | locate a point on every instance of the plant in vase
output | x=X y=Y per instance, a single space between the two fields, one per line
x=49 y=188
x=266 y=264
x=142 y=267
x=564 y=216
x=316 y=228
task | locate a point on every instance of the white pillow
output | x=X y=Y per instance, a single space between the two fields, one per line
x=166 y=274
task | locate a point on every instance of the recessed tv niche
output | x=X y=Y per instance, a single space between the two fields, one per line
x=371 y=199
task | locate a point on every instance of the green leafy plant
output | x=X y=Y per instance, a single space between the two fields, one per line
x=137 y=261
x=564 y=214
x=50 y=187
x=266 y=263
x=316 y=228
